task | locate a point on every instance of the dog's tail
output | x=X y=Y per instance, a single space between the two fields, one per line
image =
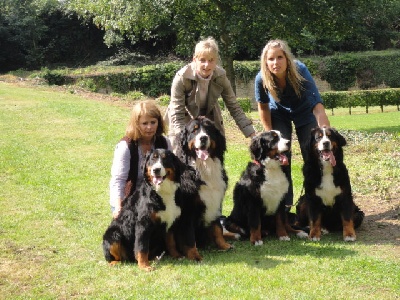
x=112 y=246
x=358 y=217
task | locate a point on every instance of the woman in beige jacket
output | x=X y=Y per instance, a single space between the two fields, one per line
x=195 y=91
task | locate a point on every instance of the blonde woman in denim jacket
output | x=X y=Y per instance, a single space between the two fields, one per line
x=286 y=94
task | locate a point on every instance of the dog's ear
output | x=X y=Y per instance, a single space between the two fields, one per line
x=313 y=132
x=221 y=142
x=143 y=164
x=182 y=143
x=179 y=165
x=181 y=139
x=255 y=148
x=341 y=139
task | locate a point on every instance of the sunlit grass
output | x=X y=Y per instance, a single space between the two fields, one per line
x=56 y=149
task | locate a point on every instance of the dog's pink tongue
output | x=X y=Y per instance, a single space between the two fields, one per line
x=157 y=180
x=328 y=155
x=283 y=160
x=202 y=154
x=332 y=159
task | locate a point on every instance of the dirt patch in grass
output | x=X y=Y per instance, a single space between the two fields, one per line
x=381 y=223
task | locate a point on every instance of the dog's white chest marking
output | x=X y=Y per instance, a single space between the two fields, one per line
x=327 y=191
x=167 y=191
x=274 y=188
x=212 y=193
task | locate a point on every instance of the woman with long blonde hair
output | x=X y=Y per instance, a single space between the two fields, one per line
x=287 y=94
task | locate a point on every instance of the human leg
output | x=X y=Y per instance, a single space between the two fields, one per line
x=304 y=135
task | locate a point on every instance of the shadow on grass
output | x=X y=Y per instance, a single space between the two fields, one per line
x=274 y=252
x=380 y=228
x=376 y=229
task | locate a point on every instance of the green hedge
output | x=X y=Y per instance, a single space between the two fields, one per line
x=342 y=71
x=245 y=103
x=152 y=80
x=365 y=98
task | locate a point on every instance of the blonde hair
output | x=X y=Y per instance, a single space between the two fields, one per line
x=208 y=47
x=144 y=108
x=293 y=75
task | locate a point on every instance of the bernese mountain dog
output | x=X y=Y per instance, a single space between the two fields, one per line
x=258 y=204
x=149 y=220
x=328 y=200
x=202 y=146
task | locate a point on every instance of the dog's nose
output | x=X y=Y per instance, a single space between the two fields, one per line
x=203 y=139
x=326 y=145
x=157 y=171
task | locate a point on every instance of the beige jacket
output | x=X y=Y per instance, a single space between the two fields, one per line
x=184 y=106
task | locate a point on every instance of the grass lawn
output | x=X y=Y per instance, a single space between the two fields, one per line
x=56 y=150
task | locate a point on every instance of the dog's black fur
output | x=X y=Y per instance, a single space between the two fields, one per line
x=258 y=195
x=202 y=146
x=328 y=200
x=149 y=222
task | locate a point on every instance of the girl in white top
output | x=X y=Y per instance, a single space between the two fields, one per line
x=144 y=132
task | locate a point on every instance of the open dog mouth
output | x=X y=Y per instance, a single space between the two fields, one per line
x=283 y=160
x=327 y=155
x=202 y=154
x=157 y=180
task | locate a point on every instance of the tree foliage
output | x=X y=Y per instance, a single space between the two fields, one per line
x=36 y=33
x=242 y=27
x=30 y=30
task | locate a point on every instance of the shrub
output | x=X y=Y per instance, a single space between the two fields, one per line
x=163 y=100
x=365 y=98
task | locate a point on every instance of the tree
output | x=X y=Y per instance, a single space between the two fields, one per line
x=232 y=23
x=36 y=33
x=23 y=28
x=240 y=26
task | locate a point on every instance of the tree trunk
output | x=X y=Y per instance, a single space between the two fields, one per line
x=227 y=59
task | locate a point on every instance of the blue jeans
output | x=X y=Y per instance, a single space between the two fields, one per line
x=303 y=135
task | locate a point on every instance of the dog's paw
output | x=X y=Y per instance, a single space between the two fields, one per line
x=258 y=243
x=147 y=268
x=225 y=247
x=193 y=254
x=349 y=238
x=114 y=263
x=284 y=238
x=237 y=236
x=302 y=234
x=324 y=231
x=315 y=239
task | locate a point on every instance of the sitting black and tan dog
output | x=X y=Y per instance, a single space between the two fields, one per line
x=202 y=146
x=328 y=200
x=149 y=222
x=258 y=196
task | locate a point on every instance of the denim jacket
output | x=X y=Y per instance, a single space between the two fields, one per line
x=291 y=107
